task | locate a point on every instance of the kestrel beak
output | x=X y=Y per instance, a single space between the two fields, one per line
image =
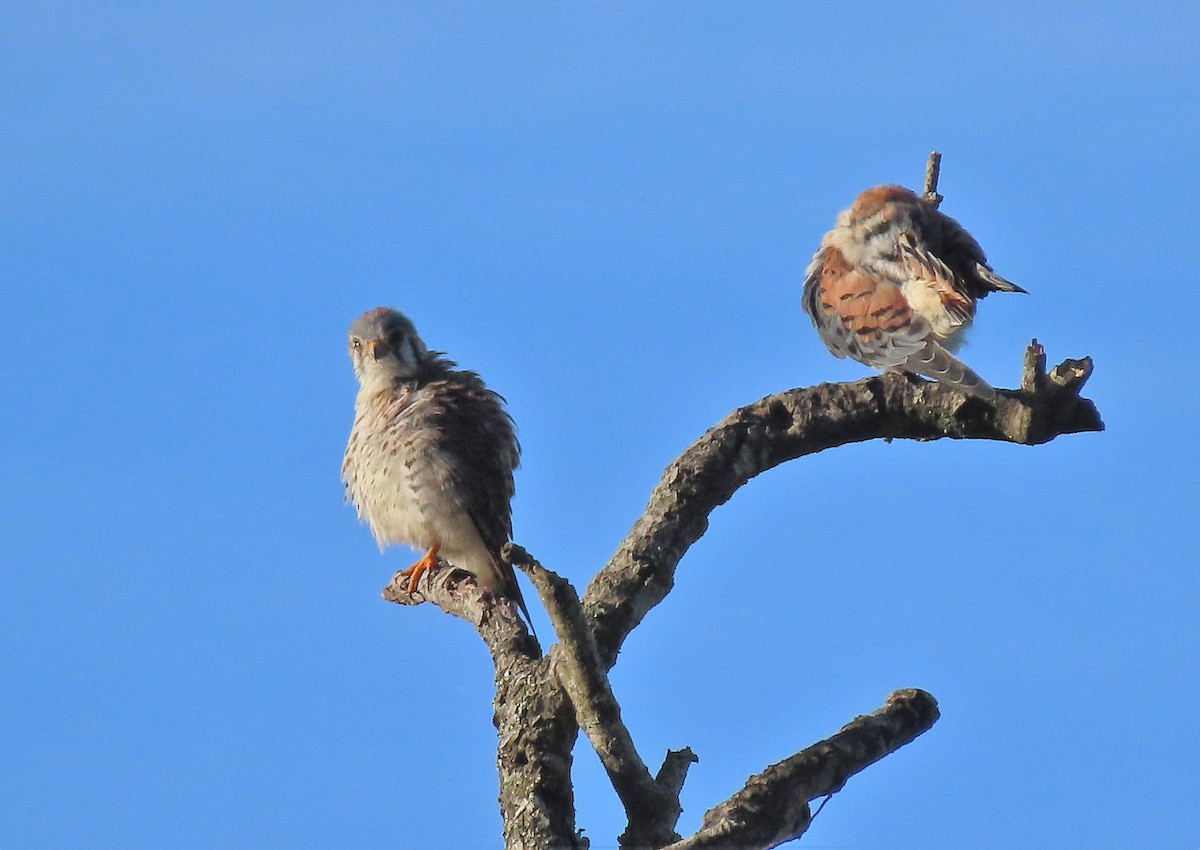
x=376 y=348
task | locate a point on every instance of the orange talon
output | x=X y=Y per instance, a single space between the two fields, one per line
x=428 y=561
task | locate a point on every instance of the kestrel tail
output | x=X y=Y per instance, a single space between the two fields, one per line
x=431 y=455
x=894 y=285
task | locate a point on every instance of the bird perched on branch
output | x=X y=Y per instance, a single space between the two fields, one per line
x=894 y=285
x=431 y=455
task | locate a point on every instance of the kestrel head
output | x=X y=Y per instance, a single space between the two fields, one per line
x=384 y=347
x=873 y=201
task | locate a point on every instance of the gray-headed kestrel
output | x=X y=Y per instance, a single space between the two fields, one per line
x=431 y=455
x=894 y=286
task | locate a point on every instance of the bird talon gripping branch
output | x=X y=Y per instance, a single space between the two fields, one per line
x=427 y=562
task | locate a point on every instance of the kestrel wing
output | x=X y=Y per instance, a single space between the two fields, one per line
x=960 y=252
x=479 y=441
x=859 y=314
x=928 y=271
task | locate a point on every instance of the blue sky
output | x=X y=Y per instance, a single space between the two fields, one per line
x=607 y=210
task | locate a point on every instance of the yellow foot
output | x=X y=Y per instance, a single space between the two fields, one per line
x=428 y=561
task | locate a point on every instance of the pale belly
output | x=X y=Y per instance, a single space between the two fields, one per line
x=403 y=488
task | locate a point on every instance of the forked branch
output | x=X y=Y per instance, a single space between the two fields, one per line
x=651 y=803
x=536 y=720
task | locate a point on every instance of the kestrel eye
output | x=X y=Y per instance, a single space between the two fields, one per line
x=356 y=344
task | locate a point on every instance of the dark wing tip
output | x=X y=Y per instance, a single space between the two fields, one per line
x=995 y=282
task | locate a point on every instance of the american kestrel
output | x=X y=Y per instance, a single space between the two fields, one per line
x=431 y=454
x=894 y=285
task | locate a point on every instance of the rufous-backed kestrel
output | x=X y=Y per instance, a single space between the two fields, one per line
x=895 y=283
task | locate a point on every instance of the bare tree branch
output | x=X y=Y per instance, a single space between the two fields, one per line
x=773 y=806
x=537 y=721
x=534 y=722
x=455 y=592
x=652 y=808
x=799 y=422
x=674 y=770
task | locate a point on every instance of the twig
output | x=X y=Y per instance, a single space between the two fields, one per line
x=933 y=168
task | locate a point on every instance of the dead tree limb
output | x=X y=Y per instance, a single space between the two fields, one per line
x=542 y=701
x=773 y=806
x=651 y=803
x=535 y=725
x=791 y=424
x=537 y=721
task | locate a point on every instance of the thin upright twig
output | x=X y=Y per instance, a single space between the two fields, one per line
x=933 y=168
